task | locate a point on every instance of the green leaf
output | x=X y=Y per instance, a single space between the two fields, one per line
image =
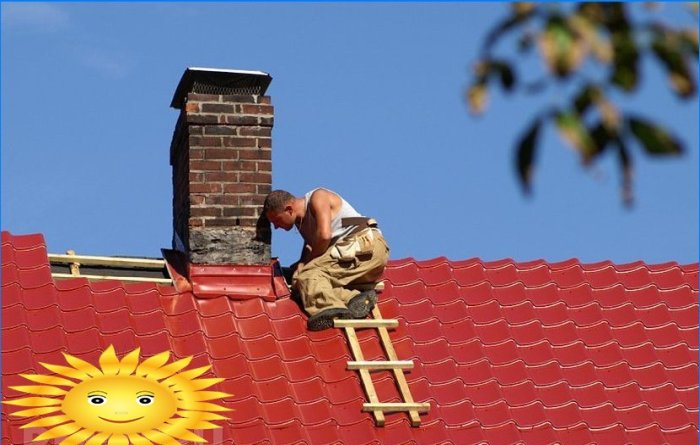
x=625 y=61
x=505 y=74
x=575 y=133
x=601 y=137
x=689 y=41
x=557 y=46
x=525 y=154
x=626 y=172
x=477 y=97
x=625 y=51
x=655 y=139
x=667 y=47
x=519 y=16
x=588 y=95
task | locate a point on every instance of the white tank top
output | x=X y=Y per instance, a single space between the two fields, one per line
x=337 y=229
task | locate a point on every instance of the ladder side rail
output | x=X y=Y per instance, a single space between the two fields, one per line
x=398 y=374
x=364 y=374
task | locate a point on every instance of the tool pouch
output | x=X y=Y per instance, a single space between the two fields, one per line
x=358 y=246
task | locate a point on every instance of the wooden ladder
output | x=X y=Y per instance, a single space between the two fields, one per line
x=397 y=366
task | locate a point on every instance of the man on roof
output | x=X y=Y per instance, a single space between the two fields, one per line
x=344 y=254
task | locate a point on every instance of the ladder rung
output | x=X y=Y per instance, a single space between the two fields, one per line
x=367 y=323
x=377 y=365
x=394 y=407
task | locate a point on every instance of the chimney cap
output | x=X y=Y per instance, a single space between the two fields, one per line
x=219 y=81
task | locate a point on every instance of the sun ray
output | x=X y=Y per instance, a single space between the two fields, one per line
x=77 y=438
x=160 y=438
x=137 y=439
x=118 y=439
x=201 y=415
x=109 y=361
x=204 y=406
x=40 y=390
x=47 y=421
x=152 y=363
x=169 y=370
x=66 y=371
x=36 y=411
x=59 y=431
x=181 y=432
x=201 y=396
x=48 y=379
x=97 y=439
x=129 y=362
x=200 y=384
x=187 y=375
x=204 y=425
x=82 y=365
x=34 y=401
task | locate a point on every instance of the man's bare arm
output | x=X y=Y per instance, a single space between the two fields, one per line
x=320 y=207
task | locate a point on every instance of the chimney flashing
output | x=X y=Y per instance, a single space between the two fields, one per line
x=219 y=81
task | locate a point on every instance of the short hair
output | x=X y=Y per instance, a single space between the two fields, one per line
x=277 y=200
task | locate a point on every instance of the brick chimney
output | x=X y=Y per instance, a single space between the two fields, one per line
x=221 y=156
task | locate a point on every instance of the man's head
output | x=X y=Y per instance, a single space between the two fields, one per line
x=279 y=209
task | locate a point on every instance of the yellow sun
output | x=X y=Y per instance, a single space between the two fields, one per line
x=121 y=402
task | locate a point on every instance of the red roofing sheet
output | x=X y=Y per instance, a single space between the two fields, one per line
x=505 y=352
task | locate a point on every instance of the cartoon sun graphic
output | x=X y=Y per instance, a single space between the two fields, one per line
x=121 y=402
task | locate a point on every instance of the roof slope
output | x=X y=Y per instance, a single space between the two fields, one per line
x=504 y=351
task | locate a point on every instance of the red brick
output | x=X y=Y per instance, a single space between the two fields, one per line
x=196 y=118
x=257 y=109
x=220 y=222
x=229 y=166
x=205 y=166
x=224 y=130
x=264 y=100
x=205 y=141
x=251 y=200
x=196 y=153
x=264 y=142
x=221 y=153
x=266 y=121
x=259 y=178
x=264 y=166
x=228 y=200
x=218 y=108
x=221 y=177
x=264 y=189
x=195 y=222
x=239 y=142
x=196 y=199
x=240 y=211
x=255 y=131
x=235 y=119
x=205 y=188
x=256 y=154
x=192 y=107
x=205 y=211
x=196 y=177
x=240 y=188
x=238 y=98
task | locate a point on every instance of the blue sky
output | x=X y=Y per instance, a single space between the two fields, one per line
x=369 y=101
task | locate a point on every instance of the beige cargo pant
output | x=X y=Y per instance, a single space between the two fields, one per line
x=326 y=282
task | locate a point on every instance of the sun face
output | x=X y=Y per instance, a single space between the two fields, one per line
x=121 y=402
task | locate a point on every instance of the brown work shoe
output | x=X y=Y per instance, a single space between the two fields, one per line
x=361 y=305
x=324 y=319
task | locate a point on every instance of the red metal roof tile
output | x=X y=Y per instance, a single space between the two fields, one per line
x=469 y=275
x=510 y=373
x=504 y=433
x=505 y=352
